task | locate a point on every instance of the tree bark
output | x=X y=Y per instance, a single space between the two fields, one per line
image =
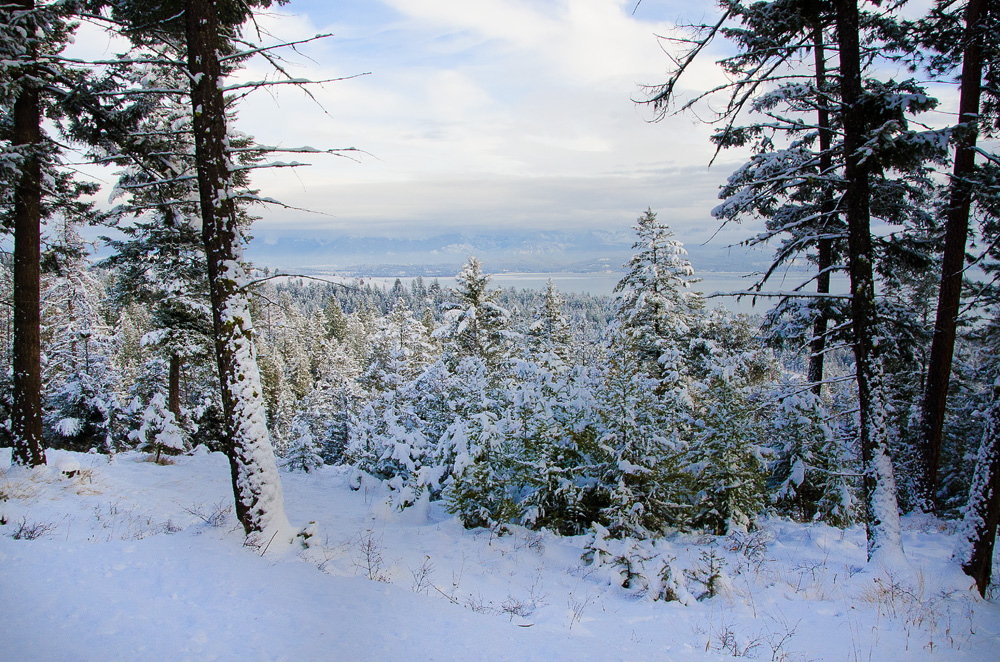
x=174 y=387
x=953 y=263
x=256 y=484
x=26 y=416
x=878 y=482
x=983 y=512
x=827 y=208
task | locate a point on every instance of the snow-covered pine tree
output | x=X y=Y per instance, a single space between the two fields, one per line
x=336 y=321
x=34 y=83
x=655 y=306
x=304 y=450
x=388 y=441
x=549 y=332
x=974 y=41
x=878 y=484
x=978 y=533
x=160 y=262
x=206 y=30
x=159 y=430
x=724 y=453
x=333 y=403
x=808 y=472
x=475 y=325
x=877 y=143
x=400 y=350
x=641 y=480
x=82 y=407
x=550 y=419
x=481 y=491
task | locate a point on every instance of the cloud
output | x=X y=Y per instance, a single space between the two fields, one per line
x=492 y=114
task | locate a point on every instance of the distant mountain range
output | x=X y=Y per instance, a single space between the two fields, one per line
x=444 y=254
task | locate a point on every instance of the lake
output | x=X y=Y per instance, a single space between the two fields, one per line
x=603 y=283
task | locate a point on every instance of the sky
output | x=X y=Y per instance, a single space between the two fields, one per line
x=482 y=116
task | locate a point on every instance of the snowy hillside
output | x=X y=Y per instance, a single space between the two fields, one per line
x=130 y=560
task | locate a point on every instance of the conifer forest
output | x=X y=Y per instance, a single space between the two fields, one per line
x=818 y=480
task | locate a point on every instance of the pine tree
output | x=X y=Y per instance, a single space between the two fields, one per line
x=159 y=430
x=400 y=350
x=549 y=332
x=793 y=185
x=475 y=325
x=82 y=408
x=656 y=307
x=304 y=452
x=878 y=483
x=641 y=480
x=206 y=30
x=31 y=188
x=979 y=45
x=550 y=417
x=725 y=447
x=160 y=262
x=808 y=471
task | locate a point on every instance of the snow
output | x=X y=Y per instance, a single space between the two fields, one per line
x=135 y=560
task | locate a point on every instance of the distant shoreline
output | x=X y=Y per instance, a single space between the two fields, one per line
x=600 y=283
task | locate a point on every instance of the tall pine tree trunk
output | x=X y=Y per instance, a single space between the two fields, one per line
x=878 y=482
x=26 y=417
x=827 y=208
x=979 y=528
x=953 y=263
x=256 y=484
x=174 y=386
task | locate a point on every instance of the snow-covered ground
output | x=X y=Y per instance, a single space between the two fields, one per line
x=130 y=560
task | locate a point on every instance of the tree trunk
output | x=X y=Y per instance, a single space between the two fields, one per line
x=174 y=387
x=256 y=484
x=983 y=514
x=26 y=416
x=827 y=208
x=956 y=234
x=878 y=482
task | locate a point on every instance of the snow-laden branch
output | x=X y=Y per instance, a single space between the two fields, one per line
x=258 y=281
x=264 y=49
x=274 y=149
x=290 y=81
x=114 y=62
x=784 y=295
x=158 y=182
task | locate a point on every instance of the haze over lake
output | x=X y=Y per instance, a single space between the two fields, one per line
x=603 y=283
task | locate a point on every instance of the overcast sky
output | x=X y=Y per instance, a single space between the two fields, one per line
x=482 y=115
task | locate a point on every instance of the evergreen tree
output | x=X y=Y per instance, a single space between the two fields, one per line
x=656 y=307
x=475 y=324
x=725 y=454
x=400 y=350
x=31 y=189
x=304 y=452
x=551 y=418
x=549 y=332
x=160 y=262
x=644 y=489
x=159 y=430
x=82 y=407
x=881 y=172
x=808 y=472
x=207 y=29
x=977 y=41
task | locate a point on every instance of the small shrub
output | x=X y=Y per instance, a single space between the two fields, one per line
x=31 y=530
x=751 y=546
x=370 y=560
x=709 y=573
x=216 y=517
